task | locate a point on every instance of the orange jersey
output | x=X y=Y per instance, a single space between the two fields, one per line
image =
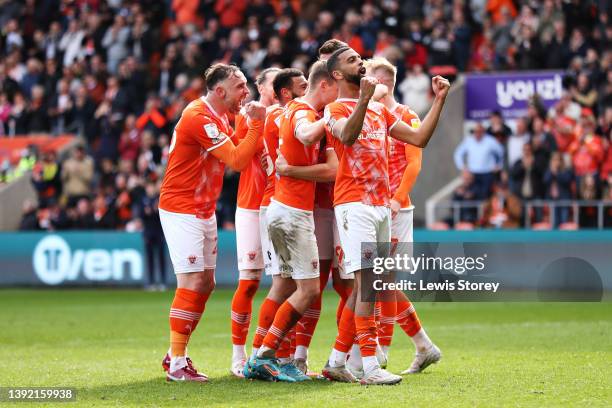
x=290 y=191
x=270 y=137
x=402 y=176
x=363 y=174
x=194 y=177
x=253 y=178
x=324 y=192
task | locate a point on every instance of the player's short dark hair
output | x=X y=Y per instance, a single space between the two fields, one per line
x=331 y=46
x=261 y=78
x=217 y=73
x=284 y=79
x=334 y=60
x=318 y=72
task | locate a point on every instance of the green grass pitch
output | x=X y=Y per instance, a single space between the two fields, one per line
x=108 y=345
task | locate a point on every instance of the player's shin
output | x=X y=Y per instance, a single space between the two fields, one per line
x=187 y=308
x=241 y=309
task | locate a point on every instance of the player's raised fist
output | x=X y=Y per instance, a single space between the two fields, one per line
x=440 y=86
x=255 y=110
x=367 y=87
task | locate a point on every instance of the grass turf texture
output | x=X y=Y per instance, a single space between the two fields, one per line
x=108 y=344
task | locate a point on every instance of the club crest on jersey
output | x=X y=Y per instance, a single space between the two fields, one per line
x=192 y=259
x=212 y=131
x=252 y=255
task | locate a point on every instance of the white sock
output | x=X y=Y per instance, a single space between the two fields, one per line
x=421 y=341
x=301 y=352
x=354 y=359
x=254 y=351
x=385 y=350
x=284 y=360
x=238 y=352
x=370 y=363
x=337 y=358
x=176 y=363
x=262 y=350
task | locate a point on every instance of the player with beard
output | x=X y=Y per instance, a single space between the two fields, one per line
x=287 y=84
x=291 y=224
x=248 y=243
x=328 y=241
x=359 y=130
x=201 y=146
x=404 y=167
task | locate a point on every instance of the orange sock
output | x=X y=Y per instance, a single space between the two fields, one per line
x=346 y=331
x=266 y=316
x=365 y=329
x=292 y=338
x=344 y=292
x=407 y=317
x=286 y=317
x=386 y=322
x=284 y=349
x=185 y=312
x=242 y=304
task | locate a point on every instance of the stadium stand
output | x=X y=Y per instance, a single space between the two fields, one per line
x=117 y=74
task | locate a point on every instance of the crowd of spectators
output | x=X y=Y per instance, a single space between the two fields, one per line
x=118 y=73
x=548 y=159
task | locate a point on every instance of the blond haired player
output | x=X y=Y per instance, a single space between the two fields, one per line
x=248 y=242
x=291 y=224
x=359 y=130
x=200 y=148
x=404 y=167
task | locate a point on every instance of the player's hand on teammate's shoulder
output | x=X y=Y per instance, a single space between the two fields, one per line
x=367 y=87
x=282 y=167
x=255 y=110
x=440 y=86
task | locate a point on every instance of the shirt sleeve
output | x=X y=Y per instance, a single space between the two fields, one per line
x=207 y=132
x=390 y=118
x=302 y=117
x=333 y=112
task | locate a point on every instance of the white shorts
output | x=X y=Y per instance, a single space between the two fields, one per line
x=192 y=241
x=292 y=232
x=401 y=226
x=324 y=232
x=338 y=261
x=401 y=232
x=360 y=223
x=270 y=261
x=248 y=241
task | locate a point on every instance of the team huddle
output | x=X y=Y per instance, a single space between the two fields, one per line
x=327 y=163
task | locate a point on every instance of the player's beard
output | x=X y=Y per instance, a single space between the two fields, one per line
x=355 y=79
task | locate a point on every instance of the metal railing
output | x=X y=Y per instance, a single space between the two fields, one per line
x=456 y=207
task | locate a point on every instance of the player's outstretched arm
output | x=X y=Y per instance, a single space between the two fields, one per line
x=349 y=130
x=238 y=157
x=321 y=173
x=420 y=137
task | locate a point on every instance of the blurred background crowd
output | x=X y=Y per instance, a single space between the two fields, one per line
x=118 y=73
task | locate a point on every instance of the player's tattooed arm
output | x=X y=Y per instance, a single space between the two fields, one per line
x=321 y=173
x=420 y=137
x=349 y=130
